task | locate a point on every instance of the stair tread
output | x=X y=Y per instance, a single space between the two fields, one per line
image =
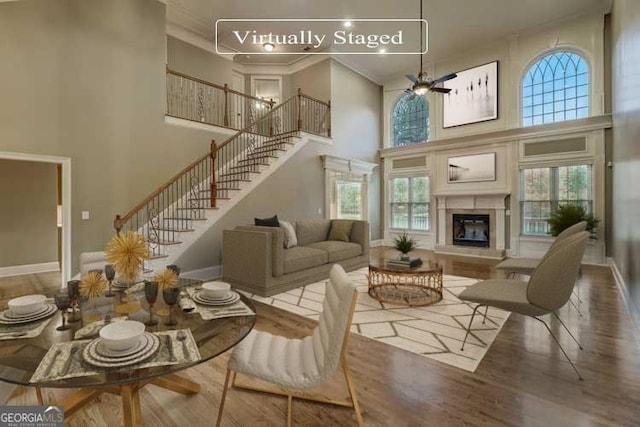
x=177 y=230
x=167 y=242
x=195 y=209
x=159 y=256
x=185 y=219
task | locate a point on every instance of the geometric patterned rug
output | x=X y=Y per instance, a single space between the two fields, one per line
x=434 y=331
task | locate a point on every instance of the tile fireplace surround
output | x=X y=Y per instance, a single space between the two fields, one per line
x=492 y=204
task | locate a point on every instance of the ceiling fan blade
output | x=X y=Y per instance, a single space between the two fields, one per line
x=412 y=78
x=445 y=78
x=439 y=89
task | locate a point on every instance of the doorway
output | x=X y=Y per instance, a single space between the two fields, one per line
x=61 y=212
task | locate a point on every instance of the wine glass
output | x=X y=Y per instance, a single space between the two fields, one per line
x=151 y=294
x=170 y=296
x=63 y=302
x=73 y=288
x=110 y=274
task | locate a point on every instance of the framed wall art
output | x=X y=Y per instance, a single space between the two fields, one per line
x=472 y=168
x=473 y=97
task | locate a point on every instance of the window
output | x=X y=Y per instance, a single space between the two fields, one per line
x=410 y=203
x=410 y=120
x=349 y=199
x=555 y=89
x=544 y=189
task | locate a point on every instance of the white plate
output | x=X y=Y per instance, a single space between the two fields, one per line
x=51 y=309
x=200 y=300
x=228 y=296
x=90 y=355
x=14 y=316
x=103 y=350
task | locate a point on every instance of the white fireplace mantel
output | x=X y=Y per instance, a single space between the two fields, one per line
x=492 y=201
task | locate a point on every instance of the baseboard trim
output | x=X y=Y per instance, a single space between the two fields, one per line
x=377 y=243
x=18 y=270
x=209 y=273
x=629 y=306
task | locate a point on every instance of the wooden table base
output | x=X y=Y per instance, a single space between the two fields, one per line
x=130 y=394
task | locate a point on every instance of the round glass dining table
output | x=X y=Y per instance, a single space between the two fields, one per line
x=20 y=358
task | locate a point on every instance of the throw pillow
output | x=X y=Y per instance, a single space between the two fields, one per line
x=290 y=238
x=267 y=222
x=340 y=230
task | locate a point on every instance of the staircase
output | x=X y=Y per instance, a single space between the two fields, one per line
x=184 y=208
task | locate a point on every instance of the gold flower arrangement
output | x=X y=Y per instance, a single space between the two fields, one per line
x=127 y=252
x=92 y=285
x=166 y=279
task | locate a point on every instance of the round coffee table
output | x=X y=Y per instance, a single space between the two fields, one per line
x=410 y=286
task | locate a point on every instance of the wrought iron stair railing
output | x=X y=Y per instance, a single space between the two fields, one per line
x=174 y=207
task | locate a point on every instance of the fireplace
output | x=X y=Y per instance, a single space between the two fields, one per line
x=471 y=230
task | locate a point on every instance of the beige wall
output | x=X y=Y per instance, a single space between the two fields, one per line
x=28 y=229
x=626 y=147
x=296 y=190
x=197 y=62
x=314 y=81
x=85 y=79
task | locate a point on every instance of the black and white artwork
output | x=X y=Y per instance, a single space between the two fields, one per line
x=473 y=97
x=475 y=167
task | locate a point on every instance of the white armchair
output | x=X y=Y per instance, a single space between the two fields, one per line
x=296 y=365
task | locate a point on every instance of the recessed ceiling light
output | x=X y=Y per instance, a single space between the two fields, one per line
x=347 y=24
x=382 y=50
x=268 y=47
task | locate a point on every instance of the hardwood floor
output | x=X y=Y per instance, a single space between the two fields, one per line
x=522 y=381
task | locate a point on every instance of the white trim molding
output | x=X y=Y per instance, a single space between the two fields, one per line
x=18 y=270
x=66 y=202
x=632 y=310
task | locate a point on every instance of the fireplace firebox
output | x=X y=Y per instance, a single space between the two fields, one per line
x=471 y=230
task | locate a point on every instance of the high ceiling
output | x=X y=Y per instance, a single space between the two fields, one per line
x=454 y=25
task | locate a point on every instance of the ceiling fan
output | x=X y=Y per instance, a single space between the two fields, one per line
x=423 y=83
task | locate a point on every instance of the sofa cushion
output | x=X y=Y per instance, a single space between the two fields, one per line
x=267 y=222
x=340 y=230
x=290 y=239
x=338 y=250
x=312 y=231
x=301 y=258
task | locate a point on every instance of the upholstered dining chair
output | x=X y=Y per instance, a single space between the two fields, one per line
x=547 y=290
x=295 y=365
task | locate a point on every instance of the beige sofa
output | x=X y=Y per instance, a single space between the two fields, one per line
x=254 y=258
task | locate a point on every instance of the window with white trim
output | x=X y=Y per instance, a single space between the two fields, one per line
x=348 y=196
x=542 y=190
x=409 y=205
x=556 y=88
x=410 y=120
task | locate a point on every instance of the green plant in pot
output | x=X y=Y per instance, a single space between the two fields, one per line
x=404 y=244
x=567 y=215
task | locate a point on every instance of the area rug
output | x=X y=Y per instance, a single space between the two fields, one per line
x=434 y=331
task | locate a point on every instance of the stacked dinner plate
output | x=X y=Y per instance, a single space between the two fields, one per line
x=121 y=344
x=203 y=298
x=28 y=308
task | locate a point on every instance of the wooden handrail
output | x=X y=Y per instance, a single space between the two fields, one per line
x=328 y=104
x=224 y=88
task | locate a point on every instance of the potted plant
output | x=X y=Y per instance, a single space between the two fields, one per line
x=404 y=244
x=570 y=214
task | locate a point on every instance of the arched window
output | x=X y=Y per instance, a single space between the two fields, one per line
x=410 y=120
x=556 y=88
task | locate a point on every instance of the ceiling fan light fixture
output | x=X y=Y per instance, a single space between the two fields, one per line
x=269 y=47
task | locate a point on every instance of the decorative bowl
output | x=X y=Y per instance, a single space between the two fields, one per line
x=215 y=289
x=123 y=335
x=26 y=304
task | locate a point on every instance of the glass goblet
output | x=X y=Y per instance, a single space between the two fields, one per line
x=63 y=302
x=73 y=288
x=151 y=295
x=110 y=274
x=170 y=296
